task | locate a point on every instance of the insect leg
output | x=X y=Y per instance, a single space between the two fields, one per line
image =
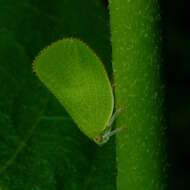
x=114 y=116
x=111 y=133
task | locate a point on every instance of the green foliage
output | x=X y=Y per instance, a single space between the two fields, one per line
x=75 y=75
x=136 y=65
x=40 y=146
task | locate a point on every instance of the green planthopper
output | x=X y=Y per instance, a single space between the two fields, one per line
x=78 y=79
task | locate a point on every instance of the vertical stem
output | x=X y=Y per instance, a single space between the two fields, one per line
x=138 y=91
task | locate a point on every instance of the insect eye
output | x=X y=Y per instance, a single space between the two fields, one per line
x=98 y=139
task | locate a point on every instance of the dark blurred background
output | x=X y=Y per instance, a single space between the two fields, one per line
x=176 y=50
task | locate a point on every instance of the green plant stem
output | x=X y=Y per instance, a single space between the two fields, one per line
x=138 y=91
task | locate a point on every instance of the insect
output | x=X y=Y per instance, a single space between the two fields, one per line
x=78 y=79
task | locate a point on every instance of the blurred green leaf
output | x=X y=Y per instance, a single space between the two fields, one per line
x=40 y=148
